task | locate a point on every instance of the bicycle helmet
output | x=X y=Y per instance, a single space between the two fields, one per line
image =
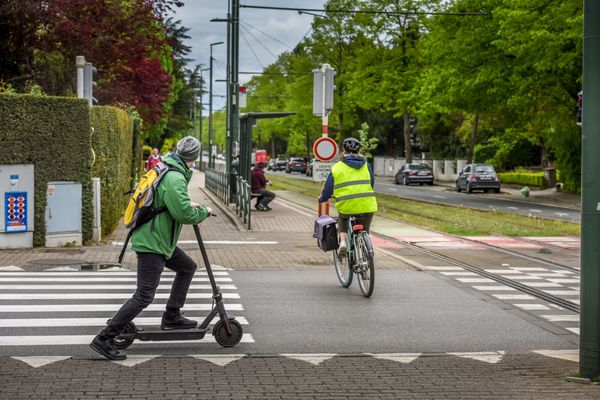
x=351 y=145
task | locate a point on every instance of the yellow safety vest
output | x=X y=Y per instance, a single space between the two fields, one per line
x=352 y=189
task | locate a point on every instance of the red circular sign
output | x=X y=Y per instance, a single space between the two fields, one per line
x=325 y=149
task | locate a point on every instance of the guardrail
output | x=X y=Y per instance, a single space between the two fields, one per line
x=217 y=183
x=243 y=201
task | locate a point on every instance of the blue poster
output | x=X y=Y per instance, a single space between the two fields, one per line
x=15 y=206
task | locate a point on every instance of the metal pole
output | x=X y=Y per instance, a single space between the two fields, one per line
x=235 y=58
x=325 y=116
x=229 y=137
x=589 y=340
x=210 y=102
x=80 y=63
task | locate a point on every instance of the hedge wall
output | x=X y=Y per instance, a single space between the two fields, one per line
x=524 y=178
x=53 y=133
x=112 y=142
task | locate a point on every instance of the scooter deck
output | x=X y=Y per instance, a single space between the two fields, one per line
x=154 y=333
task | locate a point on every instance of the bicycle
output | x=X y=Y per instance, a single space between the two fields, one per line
x=357 y=260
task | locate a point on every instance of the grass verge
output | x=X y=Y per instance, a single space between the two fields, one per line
x=449 y=219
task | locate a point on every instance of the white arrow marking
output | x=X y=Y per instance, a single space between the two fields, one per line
x=403 y=358
x=39 y=361
x=569 y=355
x=491 y=357
x=135 y=359
x=315 y=359
x=219 y=359
x=535 y=211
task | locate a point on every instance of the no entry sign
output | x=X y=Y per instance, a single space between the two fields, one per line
x=325 y=149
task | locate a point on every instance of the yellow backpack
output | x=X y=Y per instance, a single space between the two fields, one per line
x=139 y=209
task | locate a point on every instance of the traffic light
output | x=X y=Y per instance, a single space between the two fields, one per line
x=323 y=77
x=90 y=74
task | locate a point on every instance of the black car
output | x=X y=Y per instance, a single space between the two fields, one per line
x=280 y=163
x=414 y=173
x=478 y=177
x=296 y=164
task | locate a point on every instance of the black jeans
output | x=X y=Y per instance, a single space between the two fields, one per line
x=150 y=267
x=362 y=219
x=265 y=197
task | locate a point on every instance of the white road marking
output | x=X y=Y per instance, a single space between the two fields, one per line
x=239 y=242
x=574 y=330
x=403 y=358
x=514 y=296
x=104 y=287
x=543 y=284
x=488 y=357
x=445 y=268
x=528 y=269
x=440 y=197
x=563 y=292
x=569 y=355
x=535 y=210
x=466 y=273
x=55 y=322
x=67 y=340
x=315 y=359
x=39 y=308
x=219 y=359
x=166 y=272
x=532 y=306
x=135 y=359
x=503 y=271
x=40 y=361
x=513 y=208
x=11 y=268
x=561 y=214
x=475 y=280
x=562 y=318
x=490 y=288
x=90 y=296
x=112 y=279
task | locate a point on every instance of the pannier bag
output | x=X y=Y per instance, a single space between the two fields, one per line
x=326 y=233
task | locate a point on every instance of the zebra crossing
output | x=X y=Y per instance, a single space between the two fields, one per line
x=561 y=283
x=70 y=307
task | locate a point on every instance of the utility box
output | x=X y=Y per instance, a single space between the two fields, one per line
x=63 y=214
x=16 y=206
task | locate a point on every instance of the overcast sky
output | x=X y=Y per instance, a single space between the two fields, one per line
x=287 y=27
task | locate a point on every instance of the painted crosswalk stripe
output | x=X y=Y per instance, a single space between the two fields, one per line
x=532 y=306
x=475 y=280
x=101 y=296
x=105 y=279
x=66 y=340
x=514 y=296
x=491 y=288
x=104 y=287
x=68 y=308
x=103 y=274
x=56 y=322
x=562 y=318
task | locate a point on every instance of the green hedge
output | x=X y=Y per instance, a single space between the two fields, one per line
x=53 y=133
x=524 y=178
x=112 y=142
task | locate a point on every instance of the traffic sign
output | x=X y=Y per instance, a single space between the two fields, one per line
x=325 y=149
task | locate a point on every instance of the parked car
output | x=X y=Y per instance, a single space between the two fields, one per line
x=414 y=173
x=478 y=177
x=271 y=164
x=296 y=164
x=309 y=167
x=280 y=164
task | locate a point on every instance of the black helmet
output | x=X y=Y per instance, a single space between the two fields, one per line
x=351 y=145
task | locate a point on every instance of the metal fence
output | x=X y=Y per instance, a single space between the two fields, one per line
x=243 y=201
x=216 y=182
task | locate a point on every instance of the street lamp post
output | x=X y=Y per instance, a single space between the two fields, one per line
x=211 y=163
x=201 y=112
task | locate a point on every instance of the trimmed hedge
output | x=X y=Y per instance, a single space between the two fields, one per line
x=53 y=133
x=112 y=142
x=524 y=178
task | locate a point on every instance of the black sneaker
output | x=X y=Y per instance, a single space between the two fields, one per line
x=268 y=208
x=176 y=322
x=260 y=207
x=106 y=348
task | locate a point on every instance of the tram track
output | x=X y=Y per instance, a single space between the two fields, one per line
x=550 y=298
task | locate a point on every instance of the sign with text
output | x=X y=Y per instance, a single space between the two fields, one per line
x=15 y=206
x=325 y=149
x=321 y=171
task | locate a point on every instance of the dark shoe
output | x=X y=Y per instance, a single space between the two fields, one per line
x=268 y=208
x=176 y=322
x=260 y=207
x=106 y=348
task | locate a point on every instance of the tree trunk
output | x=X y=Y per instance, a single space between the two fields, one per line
x=473 y=142
x=545 y=156
x=407 y=145
x=273 y=155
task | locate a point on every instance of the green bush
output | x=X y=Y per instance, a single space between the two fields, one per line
x=112 y=142
x=53 y=133
x=523 y=178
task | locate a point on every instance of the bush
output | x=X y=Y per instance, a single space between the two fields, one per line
x=53 y=133
x=112 y=142
x=524 y=178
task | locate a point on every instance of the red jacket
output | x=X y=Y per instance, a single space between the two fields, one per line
x=152 y=161
x=257 y=179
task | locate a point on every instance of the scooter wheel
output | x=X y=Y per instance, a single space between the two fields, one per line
x=223 y=338
x=123 y=342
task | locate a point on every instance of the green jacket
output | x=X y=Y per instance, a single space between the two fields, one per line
x=160 y=235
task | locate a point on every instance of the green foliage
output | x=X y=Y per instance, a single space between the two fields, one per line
x=524 y=178
x=53 y=133
x=112 y=141
x=368 y=144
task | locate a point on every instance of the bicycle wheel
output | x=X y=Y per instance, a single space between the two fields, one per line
x=342 y=269
x=365 y=268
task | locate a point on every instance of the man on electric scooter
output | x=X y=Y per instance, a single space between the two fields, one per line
x=156 y=246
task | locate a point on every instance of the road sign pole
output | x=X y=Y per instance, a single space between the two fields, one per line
x=589 y=341
x=325 y=115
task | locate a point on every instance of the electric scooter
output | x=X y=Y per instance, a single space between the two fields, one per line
x=227 y=331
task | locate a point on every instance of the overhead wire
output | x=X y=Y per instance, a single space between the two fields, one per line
x=267 y=35
x=395 y=13
x=251 y=50
x=259 y=42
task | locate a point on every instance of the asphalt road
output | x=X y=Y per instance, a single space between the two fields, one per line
x=480 y=201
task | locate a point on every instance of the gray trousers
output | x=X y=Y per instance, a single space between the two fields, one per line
x=150 y=267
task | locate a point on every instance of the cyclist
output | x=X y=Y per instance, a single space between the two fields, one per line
x=351 y=183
